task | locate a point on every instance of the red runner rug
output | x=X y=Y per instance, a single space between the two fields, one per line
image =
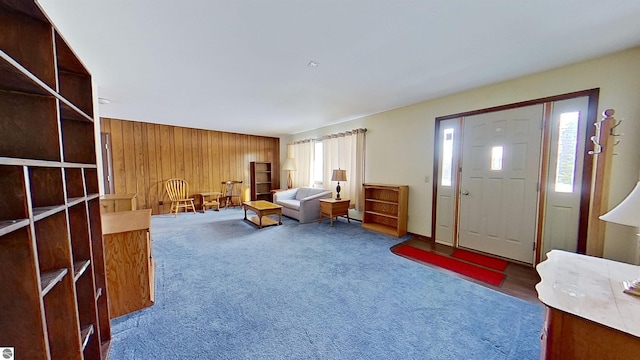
x=486 y=261
x=472 y=271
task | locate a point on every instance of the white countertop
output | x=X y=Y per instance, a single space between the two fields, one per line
x=591 y=288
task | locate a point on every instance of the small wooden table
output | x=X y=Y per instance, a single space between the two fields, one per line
x=262 y=208
x=211 y=202
x=333 y=208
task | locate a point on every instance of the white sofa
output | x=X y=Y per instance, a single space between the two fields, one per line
x=302 y=203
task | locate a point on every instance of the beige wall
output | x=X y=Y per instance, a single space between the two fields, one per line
x=400 y=141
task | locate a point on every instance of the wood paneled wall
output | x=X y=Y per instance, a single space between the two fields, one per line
x=145 y=155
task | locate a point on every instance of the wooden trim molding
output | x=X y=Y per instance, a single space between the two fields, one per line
x=590 y=93
x=544 y=172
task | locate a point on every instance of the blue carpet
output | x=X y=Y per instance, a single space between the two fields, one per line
x=226 y=290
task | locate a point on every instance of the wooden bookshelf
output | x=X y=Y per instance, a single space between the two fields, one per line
x=385 y=208
x=53 y=300
x=261 y=181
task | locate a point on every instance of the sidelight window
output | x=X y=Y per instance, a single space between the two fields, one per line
x=447 y=157
x=567 y=146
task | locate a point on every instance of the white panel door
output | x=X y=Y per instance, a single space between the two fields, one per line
x=499 y=182
x=564 y=183
x=449 y=135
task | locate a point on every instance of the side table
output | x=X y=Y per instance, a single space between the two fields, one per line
x=215 y=201
x=333 y=208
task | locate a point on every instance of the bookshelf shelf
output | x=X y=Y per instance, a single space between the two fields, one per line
x=50 y=279
x=7 y=226
x=85 y=333
x=79 y=267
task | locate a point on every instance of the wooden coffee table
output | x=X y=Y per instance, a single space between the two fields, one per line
x=262 y=209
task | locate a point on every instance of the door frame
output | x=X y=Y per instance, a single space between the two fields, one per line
x=585 y=197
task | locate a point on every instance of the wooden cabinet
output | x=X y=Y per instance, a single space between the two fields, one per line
x=118 y=202
x=333 y=208
x=385 y=208
x=588 y=315
x=53 y=300
x=129 y=264
x=261 y=181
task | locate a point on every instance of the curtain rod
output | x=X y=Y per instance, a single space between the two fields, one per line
x=342 y=134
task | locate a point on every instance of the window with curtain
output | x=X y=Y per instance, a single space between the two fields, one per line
x=303 y=153
x=318 y=155
x=317 y=158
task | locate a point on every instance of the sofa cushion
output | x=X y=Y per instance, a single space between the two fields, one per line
x=290 y=204
x=303 y=192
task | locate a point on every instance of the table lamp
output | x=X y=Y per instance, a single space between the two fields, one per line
x=289 y=165
x=338 y=175
x=627 y=213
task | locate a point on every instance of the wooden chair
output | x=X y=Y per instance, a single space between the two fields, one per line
x=232 y=189
x=178 y=191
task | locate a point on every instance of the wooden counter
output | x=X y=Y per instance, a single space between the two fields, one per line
x=128 y=259
x=588 y=315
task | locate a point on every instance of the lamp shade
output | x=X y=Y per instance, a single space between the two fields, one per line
x=289 y=164
x=628 y=211
x=339 y=175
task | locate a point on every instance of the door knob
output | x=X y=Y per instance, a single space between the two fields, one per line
x=465 y=192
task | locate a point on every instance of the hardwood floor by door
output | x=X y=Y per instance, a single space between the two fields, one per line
x=520 y=280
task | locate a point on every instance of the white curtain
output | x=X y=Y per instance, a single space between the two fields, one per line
x=346 y=151
x=302 y=152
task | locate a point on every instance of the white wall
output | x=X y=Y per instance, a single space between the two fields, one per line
x=400 y=141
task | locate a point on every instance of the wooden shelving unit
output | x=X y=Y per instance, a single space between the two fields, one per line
x=53 y=301
x=261 y=181
x=385 y=208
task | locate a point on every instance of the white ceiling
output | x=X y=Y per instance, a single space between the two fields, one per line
x=241 y=65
